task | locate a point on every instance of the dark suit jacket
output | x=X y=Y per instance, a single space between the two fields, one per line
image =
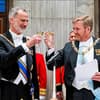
x=68 y=58
x=9 y=56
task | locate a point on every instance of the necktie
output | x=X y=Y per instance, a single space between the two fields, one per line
x=81 y=56
x=81 y=59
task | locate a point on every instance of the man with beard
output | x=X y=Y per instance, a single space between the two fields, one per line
x=17 y=74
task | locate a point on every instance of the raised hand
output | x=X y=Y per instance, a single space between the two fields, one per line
x=35 y=39
x=49 y=39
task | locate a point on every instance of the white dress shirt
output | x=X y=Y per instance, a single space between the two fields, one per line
x=88 y=57
x=18 y=41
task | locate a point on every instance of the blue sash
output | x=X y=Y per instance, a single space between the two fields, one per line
x=23 y=70
x=96 y=92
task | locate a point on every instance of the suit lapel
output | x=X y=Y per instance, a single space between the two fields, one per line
x=8 y=35
x=73 y=55
x=97 y=52
x=95 y=49
x=29 y=61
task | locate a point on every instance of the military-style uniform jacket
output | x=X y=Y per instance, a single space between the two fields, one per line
x=42 y=75
x=59 y=78
x=10 y=55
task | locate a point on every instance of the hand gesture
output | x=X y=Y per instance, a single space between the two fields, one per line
x=49 y=39
x=59 y=95
x=35 y=39
x=96 y=77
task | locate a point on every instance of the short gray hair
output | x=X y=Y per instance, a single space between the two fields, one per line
x=14 y=11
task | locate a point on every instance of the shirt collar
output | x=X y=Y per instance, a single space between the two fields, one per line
x=15 y=36
x=86 y=43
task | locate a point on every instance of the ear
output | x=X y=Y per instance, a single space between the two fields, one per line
x=11 y=20
x=88 y=28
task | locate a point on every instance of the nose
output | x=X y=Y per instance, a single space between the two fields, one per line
x=25 y=24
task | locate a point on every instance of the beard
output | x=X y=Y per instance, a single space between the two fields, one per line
x=18 y=28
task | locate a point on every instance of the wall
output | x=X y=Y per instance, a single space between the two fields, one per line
x=55 y=16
